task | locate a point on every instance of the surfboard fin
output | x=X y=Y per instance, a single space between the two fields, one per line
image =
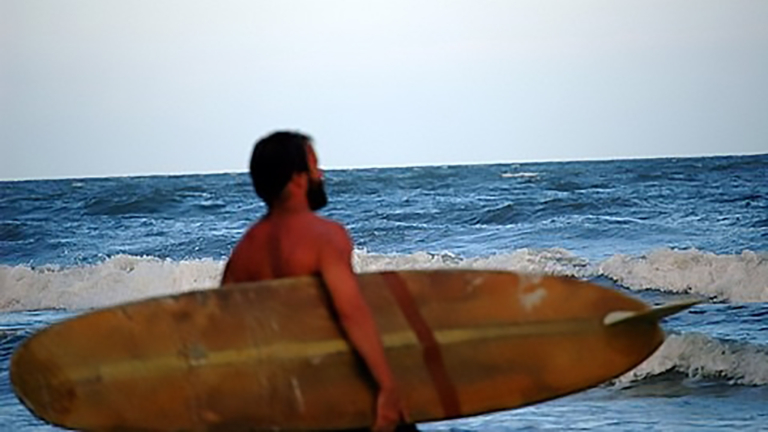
x=655 y=313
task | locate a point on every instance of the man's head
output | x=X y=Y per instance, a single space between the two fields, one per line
x=277 y=158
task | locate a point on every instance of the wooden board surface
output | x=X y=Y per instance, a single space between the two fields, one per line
x=270 y=355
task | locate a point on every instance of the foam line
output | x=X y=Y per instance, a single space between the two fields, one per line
x=735 y=278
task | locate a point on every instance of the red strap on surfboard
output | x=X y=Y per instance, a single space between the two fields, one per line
x=433 y=357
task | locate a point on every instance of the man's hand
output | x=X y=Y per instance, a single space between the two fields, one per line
x=389 y=410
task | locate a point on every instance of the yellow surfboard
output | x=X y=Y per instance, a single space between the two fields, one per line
x=270 y=355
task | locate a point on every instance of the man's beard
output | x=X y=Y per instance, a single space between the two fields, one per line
x=316 y=195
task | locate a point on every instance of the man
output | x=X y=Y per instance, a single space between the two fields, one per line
x=291 y=240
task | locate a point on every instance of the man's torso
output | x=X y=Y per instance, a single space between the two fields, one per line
x=278 y=247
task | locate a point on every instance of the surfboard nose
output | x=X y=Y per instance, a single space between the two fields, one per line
x=43 y=382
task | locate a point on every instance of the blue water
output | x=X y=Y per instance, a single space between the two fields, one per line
x=659 y=229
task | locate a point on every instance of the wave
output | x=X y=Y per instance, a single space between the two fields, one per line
x=506 y=214
x=735 y=278
x=121 y=278
x=12 y=231
x=117 y=280
x=739 y=278
x=519 y=174
x=155 y=202
x=701 y=357
x=550 y=261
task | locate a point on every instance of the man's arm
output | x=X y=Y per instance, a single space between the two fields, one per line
x=357 y=322
x=226 y=277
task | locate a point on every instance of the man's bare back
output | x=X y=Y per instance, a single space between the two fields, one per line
x=285 y=246
x=291 y=240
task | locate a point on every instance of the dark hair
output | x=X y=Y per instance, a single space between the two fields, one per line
x=274 y=160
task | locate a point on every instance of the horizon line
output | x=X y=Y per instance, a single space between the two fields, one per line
x=384 y=166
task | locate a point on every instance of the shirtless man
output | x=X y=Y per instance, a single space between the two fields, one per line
x=290 y=240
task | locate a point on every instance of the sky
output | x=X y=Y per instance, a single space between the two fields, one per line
x=108 y=88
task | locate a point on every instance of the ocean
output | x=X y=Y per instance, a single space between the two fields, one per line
x=659 y=229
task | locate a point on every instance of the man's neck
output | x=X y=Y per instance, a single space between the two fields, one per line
x=289 y=208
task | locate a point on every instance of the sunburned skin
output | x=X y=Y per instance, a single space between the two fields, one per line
x=291 y=240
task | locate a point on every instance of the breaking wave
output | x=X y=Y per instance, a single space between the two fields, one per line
x=736 y=278
x=121 y=278
x=117 y=280
x=698 y=356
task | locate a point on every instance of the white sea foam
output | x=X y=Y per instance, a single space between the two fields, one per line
x=553 y=261
x=700 y=356
x=519 y=175
x=739 y=278
x=122 y=278
x=118 y=279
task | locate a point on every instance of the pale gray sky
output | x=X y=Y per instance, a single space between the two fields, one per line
x=115 y=87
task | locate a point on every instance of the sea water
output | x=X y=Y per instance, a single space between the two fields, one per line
x=659 y=229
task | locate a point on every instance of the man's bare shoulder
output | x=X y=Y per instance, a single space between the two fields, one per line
x=333 y=231
x=309 y=227
x=254 y=235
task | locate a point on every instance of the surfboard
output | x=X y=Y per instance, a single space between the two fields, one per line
x=271 y=356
